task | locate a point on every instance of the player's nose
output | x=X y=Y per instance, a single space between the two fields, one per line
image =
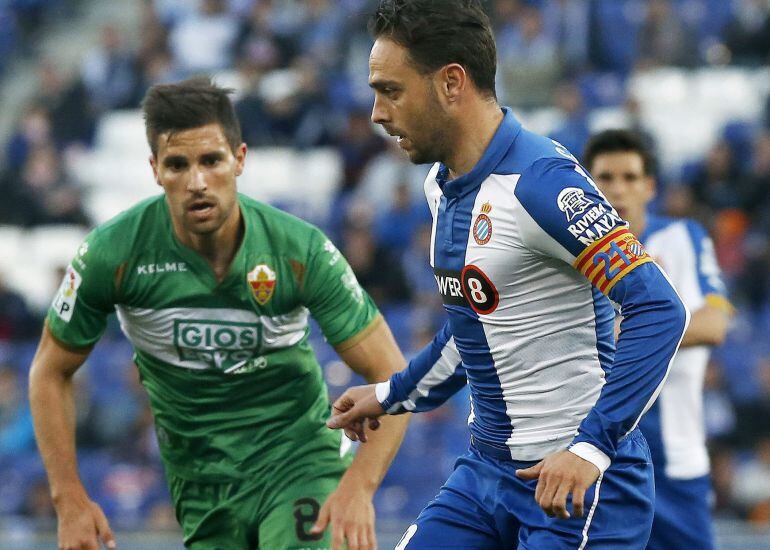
x=197 y=181
x=379 y=114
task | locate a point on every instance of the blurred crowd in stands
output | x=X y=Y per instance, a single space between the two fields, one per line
x=303 y=65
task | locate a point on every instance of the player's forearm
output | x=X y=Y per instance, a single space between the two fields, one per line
x=53 y=411
x=373 y=458
x=708 y=327
x=433 y=376
x=654 y=322
x=376 y=358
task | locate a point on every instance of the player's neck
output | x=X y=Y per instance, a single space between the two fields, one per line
x=476 y=129
x=219 y=247
x=637 y=224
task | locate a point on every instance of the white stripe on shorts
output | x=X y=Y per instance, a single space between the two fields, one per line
x=591 y=512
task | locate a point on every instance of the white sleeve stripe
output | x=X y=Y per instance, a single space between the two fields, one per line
x=442 y=369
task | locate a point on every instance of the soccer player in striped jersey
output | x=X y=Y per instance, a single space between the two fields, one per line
x=214 y=290
x=527 y=254
x=623 y=168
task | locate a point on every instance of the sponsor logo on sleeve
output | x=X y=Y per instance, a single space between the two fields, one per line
x=351 y=283
x=594 y=224
x=262 y=282
x=333 y=252
x=66 y=298
x=573 y=202
x=482 y=227
x=563 y=151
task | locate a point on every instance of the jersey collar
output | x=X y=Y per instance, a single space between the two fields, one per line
x=501 y=143
x=653 y=223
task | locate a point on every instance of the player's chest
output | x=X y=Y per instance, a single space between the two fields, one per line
x=262 y=283
x=175 y=310
x=477 y=254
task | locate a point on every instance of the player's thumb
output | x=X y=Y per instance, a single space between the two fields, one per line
x=533 y=472
x=103 y=528
x=322 y=521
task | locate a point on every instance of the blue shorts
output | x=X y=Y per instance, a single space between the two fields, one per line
x=682 y=514
x=483 y=505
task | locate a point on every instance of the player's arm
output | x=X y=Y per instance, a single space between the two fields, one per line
x=558 y=195
x=81 y=522
x=712 y=313
x=708 y=326
x=351 y=323
x=75 y=322
x=654 y=321
x=375 y=356
x=433 y=376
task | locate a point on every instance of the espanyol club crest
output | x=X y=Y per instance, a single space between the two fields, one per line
x=482 y=228
x=262 y=282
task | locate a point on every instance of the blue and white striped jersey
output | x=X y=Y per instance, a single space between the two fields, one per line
x=674 y=426
x=525 y=251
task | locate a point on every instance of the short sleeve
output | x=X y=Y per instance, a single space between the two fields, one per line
x=333 y=295
x=709 y=274
x=78 y=315
x=566 y=216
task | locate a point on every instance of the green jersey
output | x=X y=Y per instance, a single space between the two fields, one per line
x=233 y=383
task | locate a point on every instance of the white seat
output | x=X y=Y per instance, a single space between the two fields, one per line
x=122 y=131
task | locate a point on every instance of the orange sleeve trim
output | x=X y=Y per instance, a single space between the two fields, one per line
x=584 y=256
x=611 y=258
x=720 y=302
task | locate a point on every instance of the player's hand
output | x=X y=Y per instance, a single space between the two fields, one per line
x=354 y=410
x=350 y=513
x=557 y=476
x=83 y=525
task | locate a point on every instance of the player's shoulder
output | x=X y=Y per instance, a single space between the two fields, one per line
x=675 y=231
x=550 y=178
x=534 y=154
x=547 y=174
x=116 y=237
x=282 y=228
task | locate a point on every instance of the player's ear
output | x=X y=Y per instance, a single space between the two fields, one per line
x=240 y=158
x=154 y=165
x=454 y=79
x=652 y=187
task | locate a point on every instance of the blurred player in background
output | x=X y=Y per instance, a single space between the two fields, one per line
x=623 y=168
x=213 y=290
x=525 y=251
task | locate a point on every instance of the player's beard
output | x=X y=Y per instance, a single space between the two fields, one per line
x=432 y=142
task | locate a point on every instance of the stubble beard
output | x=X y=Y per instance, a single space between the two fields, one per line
x=437 y=128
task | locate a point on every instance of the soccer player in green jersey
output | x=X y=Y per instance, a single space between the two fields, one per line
x=214 y=290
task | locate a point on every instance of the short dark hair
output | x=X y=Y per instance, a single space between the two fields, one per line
x=189 y=104
x=619 y=141
x=439 y=32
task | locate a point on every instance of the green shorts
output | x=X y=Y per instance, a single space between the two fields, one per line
x=273 y=511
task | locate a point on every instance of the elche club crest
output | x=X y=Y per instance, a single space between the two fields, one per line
x=482 y=227
x=262 y=282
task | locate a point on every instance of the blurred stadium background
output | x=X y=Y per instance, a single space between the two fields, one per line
x=692 y=75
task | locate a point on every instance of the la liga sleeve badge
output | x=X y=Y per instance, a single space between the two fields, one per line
x=262 y=282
